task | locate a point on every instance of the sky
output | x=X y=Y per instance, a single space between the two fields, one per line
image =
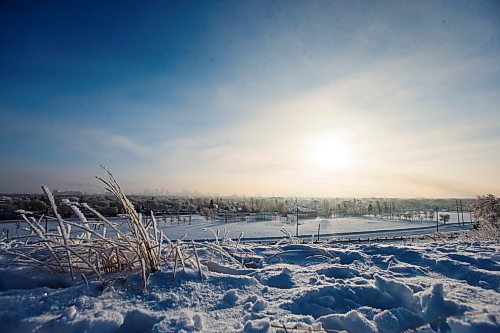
x=279 y=98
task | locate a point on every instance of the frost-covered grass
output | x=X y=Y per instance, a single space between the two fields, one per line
x=132 y=245
x=88 y=252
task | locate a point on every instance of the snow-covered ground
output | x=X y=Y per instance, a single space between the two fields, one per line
x=199 y=228
x=389 y=287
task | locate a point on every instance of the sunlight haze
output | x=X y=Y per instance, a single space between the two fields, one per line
x=285 y=98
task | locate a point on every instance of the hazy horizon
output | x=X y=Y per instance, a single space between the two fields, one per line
x=196 y=194
x=314 y=99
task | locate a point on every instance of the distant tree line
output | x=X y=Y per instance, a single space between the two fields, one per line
x=385 y=208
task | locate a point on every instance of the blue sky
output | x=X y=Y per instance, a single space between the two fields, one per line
x=335 y=98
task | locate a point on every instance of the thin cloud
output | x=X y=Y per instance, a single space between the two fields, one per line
x=127 y=144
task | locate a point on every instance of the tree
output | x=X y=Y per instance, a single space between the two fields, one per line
x=487 y=210
x=244 y=208
x=385 y=208
x=379 y=209
x=444 y=217
x=370 y=209
x=37 y=205
x=326 y=207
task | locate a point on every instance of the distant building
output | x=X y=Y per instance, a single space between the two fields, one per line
x=72 y=193
x=4 y=199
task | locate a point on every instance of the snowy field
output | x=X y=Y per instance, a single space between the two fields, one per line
x=330 y=228
x=199 y=228
x=390 y=287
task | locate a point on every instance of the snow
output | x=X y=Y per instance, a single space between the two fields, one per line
x=230 y=297
x=201 y=229
x=338 y=227
x=257 y=326
x=352 y=321
x=378 y=287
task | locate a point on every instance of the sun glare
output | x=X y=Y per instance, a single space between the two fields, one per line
x=326 y=152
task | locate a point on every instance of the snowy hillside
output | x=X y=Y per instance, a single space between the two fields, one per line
x=390 y=287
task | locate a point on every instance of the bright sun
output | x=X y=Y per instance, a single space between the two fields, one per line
x=325 y=152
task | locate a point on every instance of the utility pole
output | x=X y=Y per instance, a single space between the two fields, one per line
x=437 y=219
x=319 y=228
x=297 y=229
x=458 y=213
x=462 y=211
